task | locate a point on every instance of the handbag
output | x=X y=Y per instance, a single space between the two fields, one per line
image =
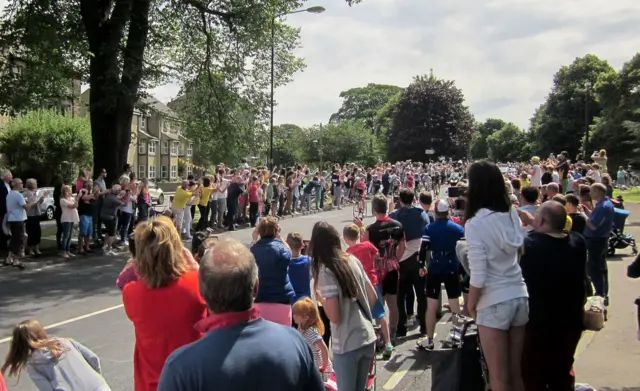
x=594 y=313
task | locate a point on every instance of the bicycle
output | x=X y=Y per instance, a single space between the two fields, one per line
x=360 y=206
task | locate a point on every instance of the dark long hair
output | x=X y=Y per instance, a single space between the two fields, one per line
x=487 y=189
x=325 y=249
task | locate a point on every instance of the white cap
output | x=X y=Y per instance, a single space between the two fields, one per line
x=442 y=206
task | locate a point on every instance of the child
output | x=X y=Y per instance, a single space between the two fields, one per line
x=306 y=316
x=366 y=253
x=299 y=267
x=52 y=363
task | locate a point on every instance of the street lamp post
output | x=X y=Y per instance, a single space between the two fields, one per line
x=587 y=88
x=313 y=10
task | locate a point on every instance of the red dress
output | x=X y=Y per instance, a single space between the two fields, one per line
x=163 y=319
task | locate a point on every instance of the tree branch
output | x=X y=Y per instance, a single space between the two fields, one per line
x=226 y=16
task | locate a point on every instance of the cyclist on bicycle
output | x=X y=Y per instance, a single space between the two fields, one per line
x=360 y=187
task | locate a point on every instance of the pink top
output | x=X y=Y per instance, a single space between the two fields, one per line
x=69 y=215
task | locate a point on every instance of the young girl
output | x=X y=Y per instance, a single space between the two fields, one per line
x=306 y=316
x=52 y=363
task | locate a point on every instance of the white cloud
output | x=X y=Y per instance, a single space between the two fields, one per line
x=501 y=53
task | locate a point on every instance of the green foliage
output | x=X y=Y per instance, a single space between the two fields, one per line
x=348 y=141
x=478 y=148
x=430 y=114
x=364 y=103
x=288 y=145
x=615 y=130
x=559 y=124
x=507 y=143
x=224 y=125
x=43 y=144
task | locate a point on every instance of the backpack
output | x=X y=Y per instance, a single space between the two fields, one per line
x=387 y=259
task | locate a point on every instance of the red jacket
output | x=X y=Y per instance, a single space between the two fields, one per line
x=164 y=320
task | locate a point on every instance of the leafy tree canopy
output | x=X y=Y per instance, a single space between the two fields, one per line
x=45 y=145
x=478 y=148
x=430 y=114
x=288 y=144
x=560 y=123
x=618 y=94
x=506 y=144
x=364 y=103
x=121 y=46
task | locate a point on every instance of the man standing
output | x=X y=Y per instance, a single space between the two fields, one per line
x=412 y=271
x=597 y=232
x=240 y=350
x=553 y=258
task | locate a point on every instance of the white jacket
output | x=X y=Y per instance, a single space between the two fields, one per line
x=494 y=240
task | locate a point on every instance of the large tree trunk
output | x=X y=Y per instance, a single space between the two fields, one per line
x=114 y=88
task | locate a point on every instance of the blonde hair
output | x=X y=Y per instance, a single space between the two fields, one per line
x=31 y=184
x=64 y=189
x=305 y=307
x=28 y=336
x=294 y=240
x=351 y=232
x=159 y=258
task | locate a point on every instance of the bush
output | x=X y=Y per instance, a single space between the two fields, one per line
x=46 y=145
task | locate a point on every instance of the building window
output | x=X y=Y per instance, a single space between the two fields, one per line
x=181 y=149
x=174 y=148
x=174 y=171
x=190 y=150
x=166 y=127
x=152 y=147
x=189 y=170
x=152 y=172
x=142 y=145
x=165 y=147
x=163 y=171
x=143 y=122
x=142 y=172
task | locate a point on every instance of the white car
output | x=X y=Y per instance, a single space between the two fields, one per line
x=156 y=193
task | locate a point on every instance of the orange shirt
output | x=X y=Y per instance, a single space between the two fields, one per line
x=163 y=320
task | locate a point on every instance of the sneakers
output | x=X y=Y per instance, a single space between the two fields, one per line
x=388 y=351
x=426 y=344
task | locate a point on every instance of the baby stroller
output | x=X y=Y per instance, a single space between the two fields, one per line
x=618 y=239
x=332 y=384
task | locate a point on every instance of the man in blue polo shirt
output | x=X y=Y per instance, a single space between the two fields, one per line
x=438 y=252
x=597 y=232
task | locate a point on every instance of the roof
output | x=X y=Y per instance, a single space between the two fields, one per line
x=158 y=106
x=147 y=135
x=171 y=136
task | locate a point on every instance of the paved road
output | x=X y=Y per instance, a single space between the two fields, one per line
x=79 y=299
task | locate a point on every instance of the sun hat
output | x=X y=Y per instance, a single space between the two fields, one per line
x=442 y=206
x=535 y=159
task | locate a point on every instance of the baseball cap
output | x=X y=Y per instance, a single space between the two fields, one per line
x=442 y=206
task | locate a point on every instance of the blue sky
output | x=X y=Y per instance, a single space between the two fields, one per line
x=501 y=53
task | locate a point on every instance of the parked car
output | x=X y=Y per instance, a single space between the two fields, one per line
x=48 y=207
x=156 y=193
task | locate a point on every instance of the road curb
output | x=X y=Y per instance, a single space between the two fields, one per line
x=49 y=258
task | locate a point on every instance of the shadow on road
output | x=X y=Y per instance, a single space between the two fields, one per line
x=24 y=294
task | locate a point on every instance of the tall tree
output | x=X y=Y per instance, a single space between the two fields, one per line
x=618 y=93
x=507 y=143
x=117 y=46
x=363 y=103
x=430 y=114
x=478 y=148
x=560 y=124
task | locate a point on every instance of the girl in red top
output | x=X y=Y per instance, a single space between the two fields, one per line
x=164 y=304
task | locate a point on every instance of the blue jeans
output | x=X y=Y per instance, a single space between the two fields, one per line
x=352 y=368
x=124 y=221
x=65 y=244
x=597 y=266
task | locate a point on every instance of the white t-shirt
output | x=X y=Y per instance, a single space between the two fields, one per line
x=223 y=194
x=536 y=178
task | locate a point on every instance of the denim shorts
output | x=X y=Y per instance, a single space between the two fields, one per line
x=503 y=316
x=86 y=225
x=377 y=311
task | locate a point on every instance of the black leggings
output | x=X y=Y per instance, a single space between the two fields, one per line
x=327 y=326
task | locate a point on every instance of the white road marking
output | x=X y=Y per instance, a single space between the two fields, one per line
x=397 y=376
x=115 y=307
